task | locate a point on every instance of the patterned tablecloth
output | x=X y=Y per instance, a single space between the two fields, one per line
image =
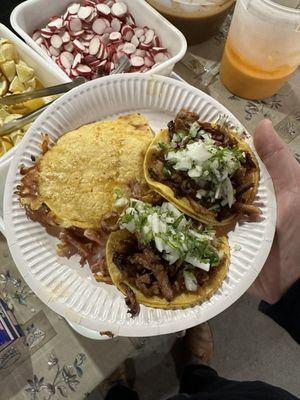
x=51 y=361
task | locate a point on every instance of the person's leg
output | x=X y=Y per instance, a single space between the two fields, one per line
x=120 y=391
x=201 y=382
x=119 y=385
x=198 y=377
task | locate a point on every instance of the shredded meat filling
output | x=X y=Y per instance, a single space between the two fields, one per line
x=130 y=300
x=184 y=186
x=143 y=268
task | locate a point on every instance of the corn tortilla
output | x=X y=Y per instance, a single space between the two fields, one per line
x=181 y=301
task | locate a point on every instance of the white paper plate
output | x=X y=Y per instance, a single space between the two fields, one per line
x=70 y=290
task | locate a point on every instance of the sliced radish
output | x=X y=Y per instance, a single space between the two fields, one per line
x=66 y=59
x=84 y=12
x=109 y=30
x=89 y=3
x=39 y=41
x=88 y=36
x=83 y=69
x=77 y=60
x=36 y=35
x=44 y=48
x=85 y=43
x=66 y=37
x=119 y=9
x=78 y=45
x=159 y=49
x=99 y=26
x=127 y=33
x=101 y=51
x=142 y=38
x=140 y=53
x=156 y=42
x=129 y=48
x=88 y=59
x=69 y=47
x=115 y=24
x=160 y=57
x=95 y=64
x=149 y=35
x=77 y=34
x=92 y=17
x=74 y=8
x=137 y=61
x=103 y=9
x=105 y=38
x=149 y=62
x=46 y=33
x=111 y=50
x=114 y=36
x=65 y=16
x=75 y=24
x=135 y=41
x=145 y=46
x=53 y=51
x=138 y=32
x=56 y=24
x=56 y=41
x=94 y=46
x=144 y=68
x=46 y=43
x=130 y=20
x=105 y=54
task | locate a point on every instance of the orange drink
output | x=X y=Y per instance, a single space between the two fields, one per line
x=262 y=49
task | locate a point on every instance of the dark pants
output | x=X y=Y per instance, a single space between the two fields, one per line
x=203 y=383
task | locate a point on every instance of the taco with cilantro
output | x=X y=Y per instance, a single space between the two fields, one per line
x=163 y=259
x=206 y=169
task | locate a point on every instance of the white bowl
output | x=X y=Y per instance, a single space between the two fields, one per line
x=48 y=76
x=71 y=290
x=27 y=17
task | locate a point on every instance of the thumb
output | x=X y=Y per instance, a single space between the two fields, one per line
x=276 y=155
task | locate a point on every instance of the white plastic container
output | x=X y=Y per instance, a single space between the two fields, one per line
x=47 y=75
x=35 y=14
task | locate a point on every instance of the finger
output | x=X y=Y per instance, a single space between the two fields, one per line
x=276 y=155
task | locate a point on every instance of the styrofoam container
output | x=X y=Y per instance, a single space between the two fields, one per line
x=27 y=17
x=70 y=290
x=47 y=75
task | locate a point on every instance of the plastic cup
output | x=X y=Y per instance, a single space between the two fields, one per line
x=197 y=19
x=263 y=47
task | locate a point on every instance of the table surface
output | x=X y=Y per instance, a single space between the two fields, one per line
x=55 y=355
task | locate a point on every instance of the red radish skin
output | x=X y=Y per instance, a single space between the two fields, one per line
x=79 y=46
x=114 y=36
x=77 y=60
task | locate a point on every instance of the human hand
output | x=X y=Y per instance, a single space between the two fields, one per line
x=282 y=267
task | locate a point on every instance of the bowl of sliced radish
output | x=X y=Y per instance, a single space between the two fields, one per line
x=79 y=38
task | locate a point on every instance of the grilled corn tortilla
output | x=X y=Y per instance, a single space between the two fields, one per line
x=77 y=176
x=181 y=301
x=205 y=215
